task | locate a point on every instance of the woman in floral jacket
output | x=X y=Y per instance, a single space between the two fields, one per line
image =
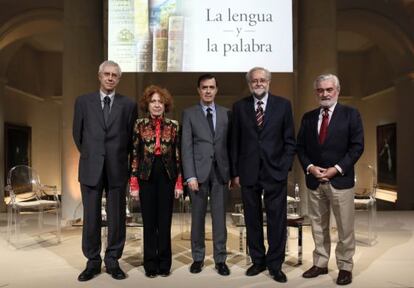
x=156 y=177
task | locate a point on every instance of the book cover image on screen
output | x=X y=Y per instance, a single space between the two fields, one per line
x=200 y=36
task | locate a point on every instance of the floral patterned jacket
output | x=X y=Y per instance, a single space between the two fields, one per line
x=144 y=138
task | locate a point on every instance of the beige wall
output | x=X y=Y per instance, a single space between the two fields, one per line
x=44 y=118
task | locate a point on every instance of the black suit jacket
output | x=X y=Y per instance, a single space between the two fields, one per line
x=343 y=146
x=275 y=144
x=99 y=144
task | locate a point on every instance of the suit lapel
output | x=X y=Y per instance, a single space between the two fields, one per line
x=220 y=117
x=314 y=125
x=334 y=119
x=97 y=108
x=250 y=111
x=270 y=110
x=203 y=119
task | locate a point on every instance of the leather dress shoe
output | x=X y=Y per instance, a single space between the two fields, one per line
x=279 y=276
x=151 y=273
x=88 y=274
x=196 y=267
x=116 y=273
x=255 y=269
x=315 y=271
x=164 y=273
x=222 y=269
x=344 y=277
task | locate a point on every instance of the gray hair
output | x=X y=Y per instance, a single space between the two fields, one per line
x=325 y=77
x=254 y=69
x=110 y=63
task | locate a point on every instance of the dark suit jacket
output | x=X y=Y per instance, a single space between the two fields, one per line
x=144 y=139
x=343 y=146
x=98 y=144
x=275 y=144
x=200 y=148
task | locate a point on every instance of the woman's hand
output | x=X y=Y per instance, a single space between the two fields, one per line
x=178 y=193
x=134 y=188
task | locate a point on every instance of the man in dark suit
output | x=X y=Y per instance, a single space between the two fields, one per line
x=330 y=142
x=102 y=131
x=205 y=158
x=263 y=146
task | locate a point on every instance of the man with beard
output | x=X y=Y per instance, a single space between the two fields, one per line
x=262 y=150
x=330 y=142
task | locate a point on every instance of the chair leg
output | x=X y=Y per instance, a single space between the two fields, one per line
x=300 y=243
x=58 y=227
x=9 y=222
x=17 y=225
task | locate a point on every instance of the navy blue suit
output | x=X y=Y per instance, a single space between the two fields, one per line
x=343 y=146
x=262 y=159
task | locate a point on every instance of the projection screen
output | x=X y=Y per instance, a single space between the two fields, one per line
x=200 y=36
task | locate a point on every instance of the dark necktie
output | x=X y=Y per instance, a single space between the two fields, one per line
x=210 y=120
x=106 y=109
x=323 y=131
x=259 y=114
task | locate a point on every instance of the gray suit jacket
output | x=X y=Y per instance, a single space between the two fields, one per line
x=198 y=146
x=98 y=144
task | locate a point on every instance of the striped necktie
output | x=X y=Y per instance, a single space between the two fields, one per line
x=259 y=114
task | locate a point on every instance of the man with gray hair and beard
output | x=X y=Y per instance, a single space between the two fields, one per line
x=329 y=143
x=262 y=150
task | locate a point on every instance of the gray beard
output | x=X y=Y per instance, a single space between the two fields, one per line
x=259 y=96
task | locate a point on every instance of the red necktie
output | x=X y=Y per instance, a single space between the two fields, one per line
x=324 y=125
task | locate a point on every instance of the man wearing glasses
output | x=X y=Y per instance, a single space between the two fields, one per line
x=262 y=150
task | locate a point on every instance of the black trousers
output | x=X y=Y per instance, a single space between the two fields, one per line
x=92 y=222
x=275 y=207
x=156 y=196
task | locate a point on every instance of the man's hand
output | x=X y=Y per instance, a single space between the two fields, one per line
x=235 y=182
x=318 y=172
x=193 y=185
x=329 y=173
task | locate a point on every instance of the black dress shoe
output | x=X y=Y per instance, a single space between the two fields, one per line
x=279 y=276
x=344 y=277
x=196 y=266
x=222 y=269
x=88 y=274
x=151 y=273
x=315 y=271
x=116 y=273
x=255 y=269
x=164 y=273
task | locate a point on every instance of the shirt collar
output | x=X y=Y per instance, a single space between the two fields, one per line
x=330 y=109
x=204 y=107
x=111 y=95
x=264 y=100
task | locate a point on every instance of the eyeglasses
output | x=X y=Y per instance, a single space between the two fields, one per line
x=259 y=81
x=321 y=90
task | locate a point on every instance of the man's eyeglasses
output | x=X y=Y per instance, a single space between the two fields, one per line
x=258 y=81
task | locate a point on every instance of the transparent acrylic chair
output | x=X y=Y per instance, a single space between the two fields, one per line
x=295 y=219
x=365 y=203
x=25 y=194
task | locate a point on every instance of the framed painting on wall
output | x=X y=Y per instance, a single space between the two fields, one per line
x=387 y=156
x=17 y=146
